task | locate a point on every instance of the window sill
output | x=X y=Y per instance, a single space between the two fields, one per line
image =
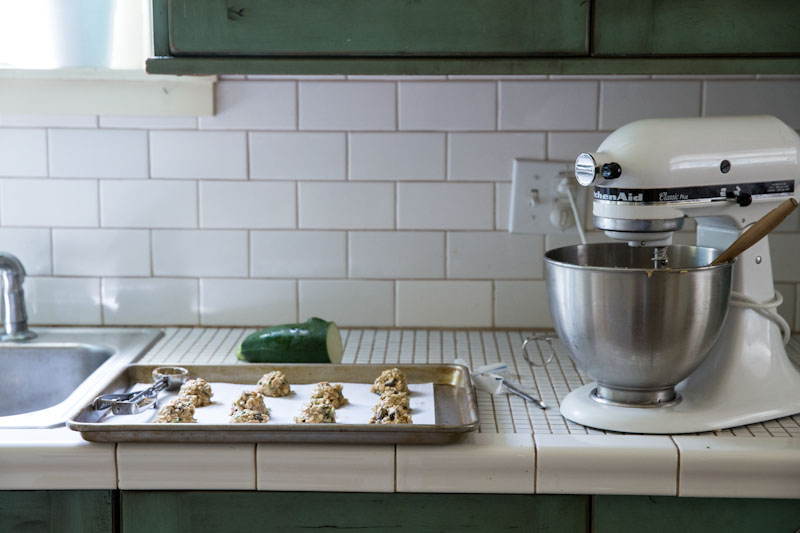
x=104 y=92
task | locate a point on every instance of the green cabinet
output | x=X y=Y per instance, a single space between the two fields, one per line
x=475 y=37
x=377 y=28
x=649 y=28
x=61 y=511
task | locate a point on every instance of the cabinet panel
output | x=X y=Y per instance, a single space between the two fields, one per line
x=65 y=511
x=657 y=514
x=232 y=512
x=383 y=28
x=690 y=27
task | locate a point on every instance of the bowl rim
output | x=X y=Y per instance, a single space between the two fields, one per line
x=648 y=271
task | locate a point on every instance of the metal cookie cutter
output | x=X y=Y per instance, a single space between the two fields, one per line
x=536 y=338
x=131 y=403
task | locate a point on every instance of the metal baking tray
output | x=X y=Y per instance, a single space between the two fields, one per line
x=455 y=406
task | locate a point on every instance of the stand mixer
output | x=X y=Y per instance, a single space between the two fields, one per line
x=725 y=172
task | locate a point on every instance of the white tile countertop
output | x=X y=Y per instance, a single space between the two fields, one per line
x=518 y=449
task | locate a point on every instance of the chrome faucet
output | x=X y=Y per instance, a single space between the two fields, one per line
x=12 y=308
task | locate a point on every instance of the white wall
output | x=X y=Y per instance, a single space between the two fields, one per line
x=371 y=201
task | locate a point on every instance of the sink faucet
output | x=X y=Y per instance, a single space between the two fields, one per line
x=12 y=307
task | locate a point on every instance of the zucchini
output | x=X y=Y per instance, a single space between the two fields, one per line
x=313 y=341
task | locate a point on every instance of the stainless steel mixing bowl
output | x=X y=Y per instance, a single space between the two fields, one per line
x=636 y=330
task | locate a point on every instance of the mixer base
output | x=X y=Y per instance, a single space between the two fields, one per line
x=691 y=415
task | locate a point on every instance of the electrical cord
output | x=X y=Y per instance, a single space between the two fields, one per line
x=766 y=309
x=574 y=206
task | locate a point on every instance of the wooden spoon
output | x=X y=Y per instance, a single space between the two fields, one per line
x=757 y=231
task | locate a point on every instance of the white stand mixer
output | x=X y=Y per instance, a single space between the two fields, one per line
x=727 y=173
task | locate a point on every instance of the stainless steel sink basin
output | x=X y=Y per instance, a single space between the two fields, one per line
x=44 y=380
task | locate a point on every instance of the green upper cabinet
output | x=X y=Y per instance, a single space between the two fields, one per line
x=377 y=27
x=475 y=37
x=641 y=28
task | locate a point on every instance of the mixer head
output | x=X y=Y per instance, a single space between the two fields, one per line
x=650 y=174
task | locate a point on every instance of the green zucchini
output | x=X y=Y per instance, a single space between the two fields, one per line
x=313 y=341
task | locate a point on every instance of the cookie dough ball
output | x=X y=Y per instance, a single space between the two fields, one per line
x=197 y=391
x=327 y=393
x=392 y=379
x=390 y=414
x=391 y=397
x=317 y=412
x=250 y=401
x=176 y=410
x=274 y=384
x=248 y=416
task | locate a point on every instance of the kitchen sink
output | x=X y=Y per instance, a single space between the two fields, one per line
x=45 y=379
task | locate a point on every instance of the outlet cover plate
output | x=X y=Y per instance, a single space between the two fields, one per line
x=543 y=177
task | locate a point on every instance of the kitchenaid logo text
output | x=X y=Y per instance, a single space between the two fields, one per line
x=620 y=196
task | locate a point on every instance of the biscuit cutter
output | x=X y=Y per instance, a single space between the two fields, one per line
x=131 y=403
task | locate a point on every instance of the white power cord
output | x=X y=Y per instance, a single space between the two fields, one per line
x=766 y=309
x=566 y=188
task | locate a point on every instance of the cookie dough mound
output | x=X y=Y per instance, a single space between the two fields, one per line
x=390 y=397
x=392 y=379
x=390 y=414
x=327 y=393
x=250 y=401
x=197 y=391
x=274 y=384
x=176 y=410
x=248 y=416
x=317 y=412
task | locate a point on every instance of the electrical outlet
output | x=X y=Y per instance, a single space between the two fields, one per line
x=537 y=205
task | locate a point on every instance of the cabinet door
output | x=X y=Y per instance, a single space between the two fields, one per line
x=693 y=27
x=248 y=28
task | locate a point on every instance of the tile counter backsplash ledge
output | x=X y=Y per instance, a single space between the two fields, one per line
x=372 y=201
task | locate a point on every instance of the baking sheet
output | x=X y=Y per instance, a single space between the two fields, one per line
x=454 y=408
x=358 y=410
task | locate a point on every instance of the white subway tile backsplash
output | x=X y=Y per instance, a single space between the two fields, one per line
x=298 y=254
x=313 y=156
x=375 y=200
x=198 y=154
x=548 y=105
x=396 y=254
x=247 y=302
x=521 y=304
x=247 y=204
x=101 y=252
x=148 y=204
x=567 y=146
x=48 y=121
x=443 y=105
x=254 y=105
x=346 y=205
x=63 y=301
x=397 y=156
x=54 y=203
x=785 y=256
x=88 y=153
x=31 y=246
x=445 y=206
x=348 y=105
x=195 y=253
x=148 y=123
x=626 y=101
x=494 y=255
x=490 y=156
x=763 y=97
x=348 y=302
x=444 y=303
x=150 y=301
x=23 y=153
x=502 y=194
